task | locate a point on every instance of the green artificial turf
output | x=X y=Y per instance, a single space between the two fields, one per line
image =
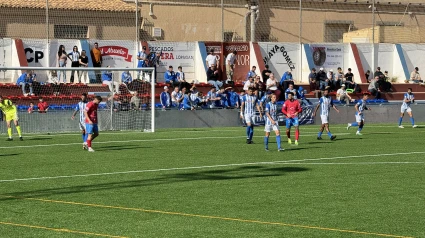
x=210 y=183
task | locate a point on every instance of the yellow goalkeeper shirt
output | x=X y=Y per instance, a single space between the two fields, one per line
x=8 y=110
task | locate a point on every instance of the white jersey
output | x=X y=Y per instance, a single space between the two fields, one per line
x=81 y=107
x=250 y=103
x=325 y=105
x=212 y=59
x=408 y=97
x=271 y=108
x=361 y=105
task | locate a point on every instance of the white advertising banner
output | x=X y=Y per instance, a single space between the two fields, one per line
x=281 y=57
x=118 y=54
x=328 y=56
x=175 y=54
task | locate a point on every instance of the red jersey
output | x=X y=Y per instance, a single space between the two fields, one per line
x=291 y=107
x=42 y=106
x=91 y=109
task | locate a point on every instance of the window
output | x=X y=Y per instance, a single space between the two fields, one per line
x=228 y=36
x=71 y=32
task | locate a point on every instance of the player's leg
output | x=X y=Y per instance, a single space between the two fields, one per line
x=323 y=118
x=18 y=128
x=89 y=131
x=278 y=140
x=412 y=120
x=266 y=137
x=288 y=129
x=251 y=133
x=361 y=124
x=358 y=118
x=248 y=121
x=297 y=130
x=400 y=120
x=332 y=137
x=9 y=129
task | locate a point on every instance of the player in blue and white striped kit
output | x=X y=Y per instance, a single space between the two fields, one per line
x=249 y=102
x=272 y=123
x=80 y=108
x=360 y=107
x=325 y=104
x=405 y=107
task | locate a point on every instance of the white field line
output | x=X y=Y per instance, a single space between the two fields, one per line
x=145 y=140
x=358 y=163
x=204 y=167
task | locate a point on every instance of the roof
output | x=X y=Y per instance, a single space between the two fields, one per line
x=92 y=5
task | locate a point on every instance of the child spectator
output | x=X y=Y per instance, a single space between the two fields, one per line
x=31 y=108
x=42 y=106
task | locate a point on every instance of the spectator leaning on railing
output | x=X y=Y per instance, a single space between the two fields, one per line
x=24 y=80
x=230 y=66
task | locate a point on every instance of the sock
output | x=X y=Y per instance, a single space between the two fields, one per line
x=400 y=120
x=278 y=142
x=288 y=134
x=266 y=142
x=360 y=128
x=355 y=124
x=320 y=134
x=251 y=133
x=89 y=143
x=84 y=137
x=329 y=134
x=9 y=132
x=18 y=128
x=297 y=134
x=248 y=130
x=412 y=121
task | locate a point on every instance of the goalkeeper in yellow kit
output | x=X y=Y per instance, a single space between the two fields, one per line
x=10 y=113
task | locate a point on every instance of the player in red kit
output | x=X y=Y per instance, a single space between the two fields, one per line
x=90 y=114
x=291 y=108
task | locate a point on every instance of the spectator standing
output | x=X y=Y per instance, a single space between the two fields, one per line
x=42 y=105
x=24 y=80
x=212 y=77
x=415 y=76
x=211 y=59
x=286 y=80
x=272 y=85
x=251 y=73
x=170 y=77
x=349 y=80
x=141 y=57
x=331 y=79
x=373 y=88
x=266 y=73
x=84 y=63
x=181 y=79
x=75 y=62
x=62 y=58
x=97 y=61
x=165 y=98
x=322 y=77
x=230 y=66
x=342 y=95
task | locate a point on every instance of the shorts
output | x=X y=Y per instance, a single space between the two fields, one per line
x=291 y=122
x=269 y=128
x=359 y=118
x=406 y=109
x=12 y=116
x=91 y=128
x=82 y=126
x=249 y=118
x=325 y=119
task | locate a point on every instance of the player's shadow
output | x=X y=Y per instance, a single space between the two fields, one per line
x=40 y=138
x=238 y=173
x=6 y=155
x=293 y=147
x=319 y=142
x=350 y=138
x=122 y=147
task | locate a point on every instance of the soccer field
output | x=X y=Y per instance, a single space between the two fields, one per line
x=210 y=183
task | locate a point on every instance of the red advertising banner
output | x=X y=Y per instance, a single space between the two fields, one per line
x=117 y=51
x=242 y=66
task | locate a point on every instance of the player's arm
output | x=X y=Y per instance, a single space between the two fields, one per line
x=284 y=111
x=298 y=108
x=357 y=108
x=317 y=108
x=242 y=108
x=334 y=107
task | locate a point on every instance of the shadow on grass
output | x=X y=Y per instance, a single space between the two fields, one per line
x=6 y=155
x=238 y=173
x=122 y=147
x=40 y=138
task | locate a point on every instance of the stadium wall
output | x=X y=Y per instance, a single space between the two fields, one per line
x=398 y=59
x=60 y=121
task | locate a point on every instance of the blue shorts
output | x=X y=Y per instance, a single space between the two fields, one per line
x=291 y=122
x=91 y=128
